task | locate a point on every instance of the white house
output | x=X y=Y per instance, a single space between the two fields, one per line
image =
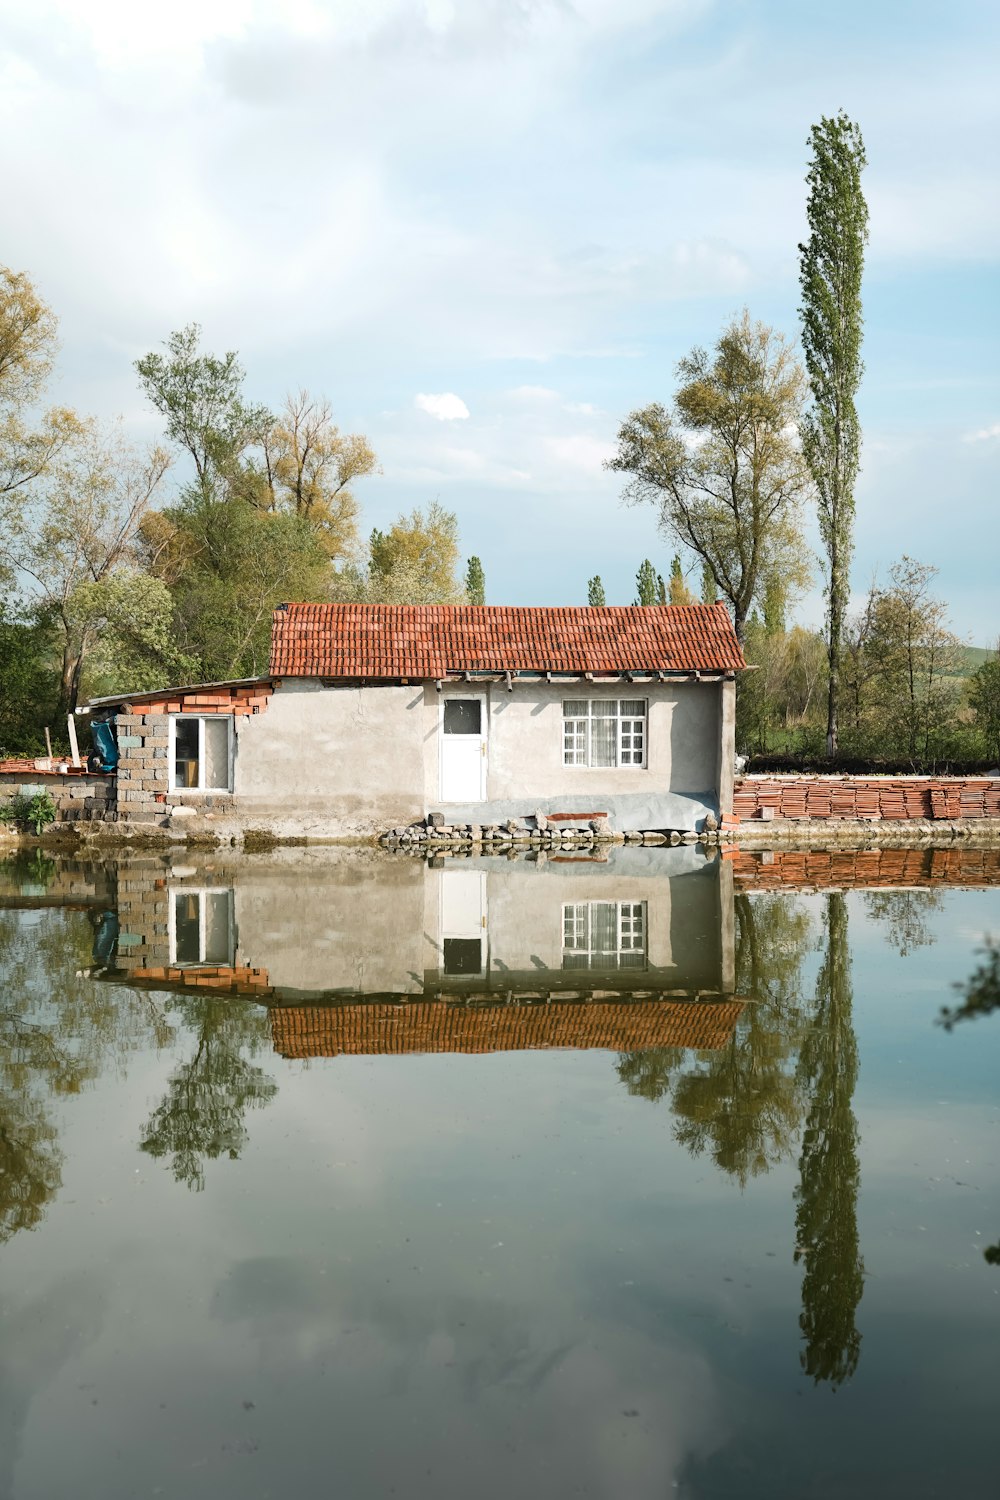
x=374 y=716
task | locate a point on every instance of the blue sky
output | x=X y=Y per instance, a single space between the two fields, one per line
x=534 y=207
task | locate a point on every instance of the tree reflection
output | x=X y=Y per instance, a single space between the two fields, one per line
x=57 y=1031
x=980 y=997
x=201 y=1116
x=743 y=1104
x=905 y=917
x=826 y=1218
x=647 y=1073
x=980 y=992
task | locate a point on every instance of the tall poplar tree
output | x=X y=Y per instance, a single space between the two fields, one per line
x=647 y=584
x=830 y=268
x=475 y=581
x=595 y=592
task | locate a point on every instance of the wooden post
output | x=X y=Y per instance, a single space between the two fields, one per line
x=73 y=743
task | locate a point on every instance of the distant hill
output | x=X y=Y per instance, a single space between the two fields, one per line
x=974 y=656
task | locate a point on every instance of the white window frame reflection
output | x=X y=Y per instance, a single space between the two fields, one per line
x=205 y=958
x=591 y=941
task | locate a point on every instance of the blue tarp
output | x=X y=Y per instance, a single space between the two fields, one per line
x=102 y=732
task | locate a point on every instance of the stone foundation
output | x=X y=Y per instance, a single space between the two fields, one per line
x=434 y=836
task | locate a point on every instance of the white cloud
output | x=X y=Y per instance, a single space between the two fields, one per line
x=984 y=435
x=447 y=407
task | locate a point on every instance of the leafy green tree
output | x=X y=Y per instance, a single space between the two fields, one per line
x=647 y=584
x=77 y=527
x=830 y=270
x=595 y=592
x=28 y=340
x=130 y=616
x=227 y=564
x=414 y=561
x=200 y=397
x=709 y=588
x=826 y=1216
x=723 y=465
x=310 y=468
x=908 y=664
x=475 y=582
x=984 y=696
x=783 y=695
x=29 y=683
x=202 y=1114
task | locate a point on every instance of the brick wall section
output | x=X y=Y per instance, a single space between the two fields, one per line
x=868 y=798
x=798 y=869
x=78 y=797
x=143 y=745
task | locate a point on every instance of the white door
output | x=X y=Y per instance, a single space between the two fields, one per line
x=463 y=922
x=463 y=749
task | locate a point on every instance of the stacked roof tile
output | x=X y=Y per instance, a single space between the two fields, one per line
x=436 y=1026
x=390 y=641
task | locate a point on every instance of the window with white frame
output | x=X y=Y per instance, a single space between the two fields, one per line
x=201 y=752
x=200 y=927
x=604 y=732
x=604 y=935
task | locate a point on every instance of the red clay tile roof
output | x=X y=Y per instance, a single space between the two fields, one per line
x=429 y=641
x=436 y=1026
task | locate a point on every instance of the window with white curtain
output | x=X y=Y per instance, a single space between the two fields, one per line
x=604 y=732
x=604 y=935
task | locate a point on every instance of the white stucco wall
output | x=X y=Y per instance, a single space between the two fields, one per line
x=332 y=760
x=525 y=740
x=352 y=761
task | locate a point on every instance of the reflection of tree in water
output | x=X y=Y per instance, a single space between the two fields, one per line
x=201 y=1116
x=741 y=1103
x=980 y=997
x=57 y=1031
x=904 y=915
x=826 y=1217
x=980 y=992
x=647 y=1074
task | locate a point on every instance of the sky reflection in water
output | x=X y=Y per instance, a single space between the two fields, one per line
x=723 y=1237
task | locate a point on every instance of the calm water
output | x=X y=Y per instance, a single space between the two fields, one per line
x=327 y=1175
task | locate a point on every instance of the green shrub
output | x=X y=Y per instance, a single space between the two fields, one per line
x=34 y=812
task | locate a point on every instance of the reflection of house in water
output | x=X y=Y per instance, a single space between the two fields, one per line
x=485 y=955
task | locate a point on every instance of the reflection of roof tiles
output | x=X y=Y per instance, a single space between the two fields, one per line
x=429 y=641
x=788 y=869
x=436 y=1026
